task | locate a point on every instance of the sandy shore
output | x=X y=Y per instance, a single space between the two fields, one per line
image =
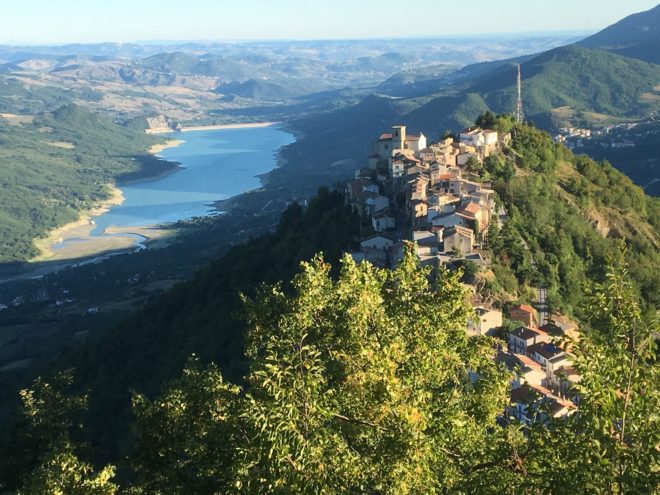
x=79 y=229
x=79 y=243
x=76 y=236
x=170 y=143
x=154 y=235
x=213 y=127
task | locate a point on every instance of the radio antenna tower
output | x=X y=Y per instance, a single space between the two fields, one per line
x=520 y=115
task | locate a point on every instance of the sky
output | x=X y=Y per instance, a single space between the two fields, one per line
x=86 y=21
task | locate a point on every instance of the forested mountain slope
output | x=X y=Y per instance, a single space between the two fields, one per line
x=55 y=164
x=571 y=212
x=203 y=316
x=568 y=215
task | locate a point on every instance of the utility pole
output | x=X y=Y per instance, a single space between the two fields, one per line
x=520 y=115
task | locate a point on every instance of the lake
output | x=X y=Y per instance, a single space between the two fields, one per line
x=217 y=164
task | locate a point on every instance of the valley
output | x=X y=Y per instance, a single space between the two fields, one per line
x=212 y=165
x=433 y=97
x=331 y=266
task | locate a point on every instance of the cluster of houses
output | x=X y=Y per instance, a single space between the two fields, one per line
x=426 y=193
x=606 y=137
x=544 y=373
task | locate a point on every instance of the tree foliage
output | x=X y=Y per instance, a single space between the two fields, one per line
x=51 y=412
x=610 y=446
x=367 y=384
x=566 y=215
x=62 y=473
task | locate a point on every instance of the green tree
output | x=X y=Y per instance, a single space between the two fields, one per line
x=487 y=120
x=366 y=384
x=610 y=445
x=183 y=441
x=474 y=165
x=62 y=473
x=51 y=412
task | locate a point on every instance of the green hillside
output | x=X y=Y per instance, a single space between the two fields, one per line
x=224 y=68
x=202 y=316
x=56 y=164
x=18 y=97
x=572 y=77
x=257 y=89
x=572 y=213
x=177 y=62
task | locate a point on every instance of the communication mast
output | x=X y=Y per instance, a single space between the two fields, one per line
x=520 y=115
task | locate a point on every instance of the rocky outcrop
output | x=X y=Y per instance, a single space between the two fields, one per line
x=161 y=123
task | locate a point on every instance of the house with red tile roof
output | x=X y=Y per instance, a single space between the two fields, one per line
x=525 y=314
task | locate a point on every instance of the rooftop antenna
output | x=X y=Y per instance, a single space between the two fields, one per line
x=520 y=115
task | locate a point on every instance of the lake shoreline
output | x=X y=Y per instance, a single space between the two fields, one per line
x=76 y=241
x=170 y=143
x=80 y=230
x=213 y=127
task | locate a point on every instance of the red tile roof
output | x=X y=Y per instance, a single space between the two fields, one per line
x=385 y=137
x=527 y=333
x=525 y=307
x=527 y=361
x=471 y=207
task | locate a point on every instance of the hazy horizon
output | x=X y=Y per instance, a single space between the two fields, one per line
x=43 y=22
x=521 y=34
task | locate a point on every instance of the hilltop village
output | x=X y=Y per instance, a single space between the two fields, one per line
x=428 y=194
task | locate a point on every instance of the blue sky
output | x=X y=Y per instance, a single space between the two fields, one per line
x=66 y=21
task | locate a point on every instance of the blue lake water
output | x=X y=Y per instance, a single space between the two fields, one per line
x=217 y=164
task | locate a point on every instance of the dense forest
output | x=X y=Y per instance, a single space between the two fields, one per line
x=201 y=316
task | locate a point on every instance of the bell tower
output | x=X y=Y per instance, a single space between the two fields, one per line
x=398 y=137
